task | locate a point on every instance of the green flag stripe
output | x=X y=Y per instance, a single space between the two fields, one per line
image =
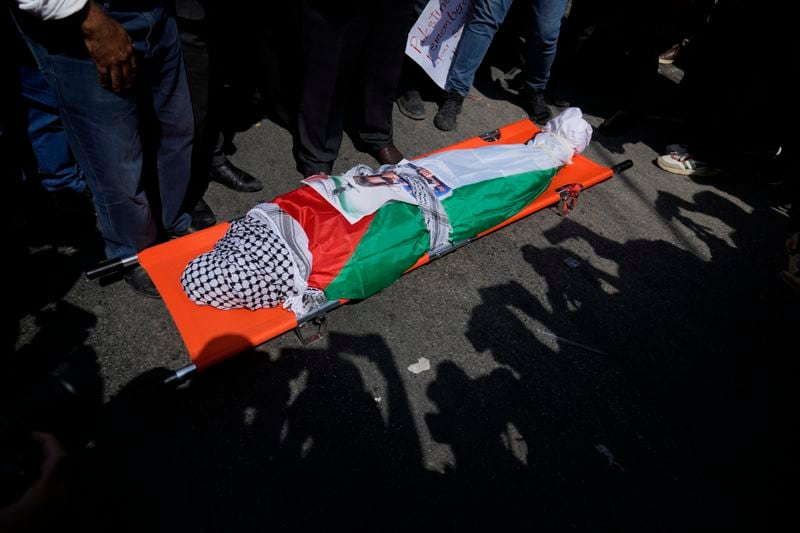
x=397 y=236
x=395 y=240
x=480 y=206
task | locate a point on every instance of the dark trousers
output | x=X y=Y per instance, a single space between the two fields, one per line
x=413 y=78
x=201 y=56
x=350 y=51
x=720 y=98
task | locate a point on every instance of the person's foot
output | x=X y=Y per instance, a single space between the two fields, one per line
x=446 y=117
x=678 y=160
x=140 y=282
x=410 y=104
x=388 y=155
x=234 y=177
x=534 y=104
x=202 y=216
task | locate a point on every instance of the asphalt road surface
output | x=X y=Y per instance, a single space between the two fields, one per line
x=625 y=368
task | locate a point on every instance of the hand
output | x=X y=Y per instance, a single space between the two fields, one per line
x=110 y=47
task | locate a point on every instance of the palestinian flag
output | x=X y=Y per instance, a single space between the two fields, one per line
x=354 y=260
x=349 y=236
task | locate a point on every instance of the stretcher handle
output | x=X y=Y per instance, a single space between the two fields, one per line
x=622 y=166
x=112 y=266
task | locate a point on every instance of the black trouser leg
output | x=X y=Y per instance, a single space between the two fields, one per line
x=204 y=88
x=382 y=63
x=329 y=61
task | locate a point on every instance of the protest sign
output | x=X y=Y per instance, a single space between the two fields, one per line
x=434 y=37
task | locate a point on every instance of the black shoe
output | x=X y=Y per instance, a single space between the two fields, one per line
x=139 y=281
x=533 y=103
x=410 y=104
x=202 y=216
x=445 y=118
x=234 y=178
x=388 y=155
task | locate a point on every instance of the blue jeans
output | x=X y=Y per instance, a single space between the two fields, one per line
x=107 y=130
x=542 y=40
x=487 y=15
x=58 y=169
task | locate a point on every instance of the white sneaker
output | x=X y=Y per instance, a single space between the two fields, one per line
x=679 y=161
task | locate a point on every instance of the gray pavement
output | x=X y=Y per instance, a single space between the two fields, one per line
x=608 y=371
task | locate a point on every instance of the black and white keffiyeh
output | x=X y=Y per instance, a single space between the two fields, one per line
x=433 y=212
x=251 y=267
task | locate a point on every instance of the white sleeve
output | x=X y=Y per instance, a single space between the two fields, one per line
x=51 y=9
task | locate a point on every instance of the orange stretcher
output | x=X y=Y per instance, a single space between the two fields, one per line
x=212 y=335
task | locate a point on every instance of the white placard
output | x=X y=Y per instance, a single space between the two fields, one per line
x=433 y=39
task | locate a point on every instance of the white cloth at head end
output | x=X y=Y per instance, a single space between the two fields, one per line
x=570 y=126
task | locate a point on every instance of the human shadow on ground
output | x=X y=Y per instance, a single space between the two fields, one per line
x=48 y=251
x=631 y=397
x=292 y=441
x=49 y=377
